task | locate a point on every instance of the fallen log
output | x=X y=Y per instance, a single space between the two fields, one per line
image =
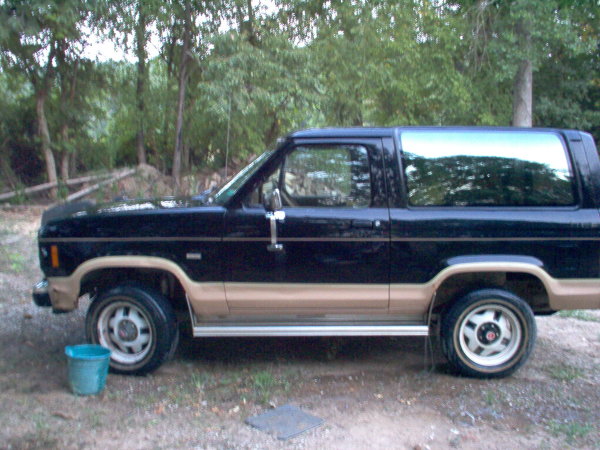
x=46 y=186
x=95 y=187
x=87 y=179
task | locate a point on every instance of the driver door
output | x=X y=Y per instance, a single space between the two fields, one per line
x=330 y=251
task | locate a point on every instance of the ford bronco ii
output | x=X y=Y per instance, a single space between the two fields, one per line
x=462 y=233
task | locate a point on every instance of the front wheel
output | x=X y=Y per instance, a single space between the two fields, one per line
x=488 y=333
x=137 y=324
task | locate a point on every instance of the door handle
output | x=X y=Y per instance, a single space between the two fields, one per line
x=273 y=217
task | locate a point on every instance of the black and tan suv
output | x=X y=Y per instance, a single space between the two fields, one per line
x=462 y=232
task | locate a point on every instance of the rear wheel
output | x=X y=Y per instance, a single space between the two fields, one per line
x=488 y=333
x=137 y=324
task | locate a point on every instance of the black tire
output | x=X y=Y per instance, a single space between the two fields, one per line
x=488 y=333
x=137 y=324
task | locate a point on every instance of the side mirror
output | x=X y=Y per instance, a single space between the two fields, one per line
x=275 y=200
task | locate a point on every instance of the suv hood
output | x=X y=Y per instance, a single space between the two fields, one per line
x=90 y=208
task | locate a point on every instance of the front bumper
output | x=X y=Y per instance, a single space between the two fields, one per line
x=41 y=296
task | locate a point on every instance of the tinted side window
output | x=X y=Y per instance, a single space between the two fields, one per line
x=313 y=176
x=328 y=176
x=486 y=168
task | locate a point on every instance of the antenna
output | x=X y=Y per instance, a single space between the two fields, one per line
x=227 y=140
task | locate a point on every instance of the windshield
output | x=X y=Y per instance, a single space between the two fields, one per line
x=236 y=182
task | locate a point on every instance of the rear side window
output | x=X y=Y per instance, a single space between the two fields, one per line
x=486 y=168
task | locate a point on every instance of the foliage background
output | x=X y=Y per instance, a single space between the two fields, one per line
x=231 y=76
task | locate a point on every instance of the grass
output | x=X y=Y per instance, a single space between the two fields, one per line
x=95 y=419
x=62 y=191
x=13 y=258
x=40 y=421
x=39 y=440
x=496 y=396
x=200 y=380
x=231 y=377
x=42 y=436
x=178 y=395
x=490 y=398
x=147 y=399
x=571 y=430
x=263 y=383
x=564 y=372
x=20 y=196
x=241 y=384
x=579 y=314
x=16 y=261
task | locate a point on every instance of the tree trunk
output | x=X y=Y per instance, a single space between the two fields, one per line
x=68 y=87
x=183 y=69
x=44 y=136
x=6 y=171
x=64 y=162
x=73 y=163
x=42 y=87
x=167 y=93
x=523 y=96
x=251 y=35
x=140 y=41
x=523 y=83
x=185 y=157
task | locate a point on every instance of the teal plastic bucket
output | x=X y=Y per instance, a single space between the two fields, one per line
x=88 y=367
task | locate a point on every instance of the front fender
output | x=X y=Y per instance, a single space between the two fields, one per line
x=205 y=298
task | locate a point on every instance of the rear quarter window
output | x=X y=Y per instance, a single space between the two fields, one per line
x=486 y=168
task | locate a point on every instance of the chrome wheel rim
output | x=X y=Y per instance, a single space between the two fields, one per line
x=125 y=330
x=490 y=335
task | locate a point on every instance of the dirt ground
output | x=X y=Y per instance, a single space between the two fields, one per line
x=371 y=392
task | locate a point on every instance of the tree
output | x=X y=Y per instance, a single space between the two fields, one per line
x=198 y=19
x=33 y=33
x=76 y=108
x=233 y=75
x=567 y=90
x=16 y=132
x=183 y=78
x=126 y=21
x=254 y=87
x=515 y=37
x=141 y=40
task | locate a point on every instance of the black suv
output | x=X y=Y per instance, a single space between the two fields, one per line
x=464 y=233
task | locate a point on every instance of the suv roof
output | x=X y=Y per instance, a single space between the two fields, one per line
x=350 y=132
x=367 y=132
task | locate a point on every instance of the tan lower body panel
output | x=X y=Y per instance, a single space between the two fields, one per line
x=574 y=294
x=306 y=298
x=218 y=298
x=204 y=298
x=562 y=294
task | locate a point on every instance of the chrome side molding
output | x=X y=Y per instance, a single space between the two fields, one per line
x=310 y=330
